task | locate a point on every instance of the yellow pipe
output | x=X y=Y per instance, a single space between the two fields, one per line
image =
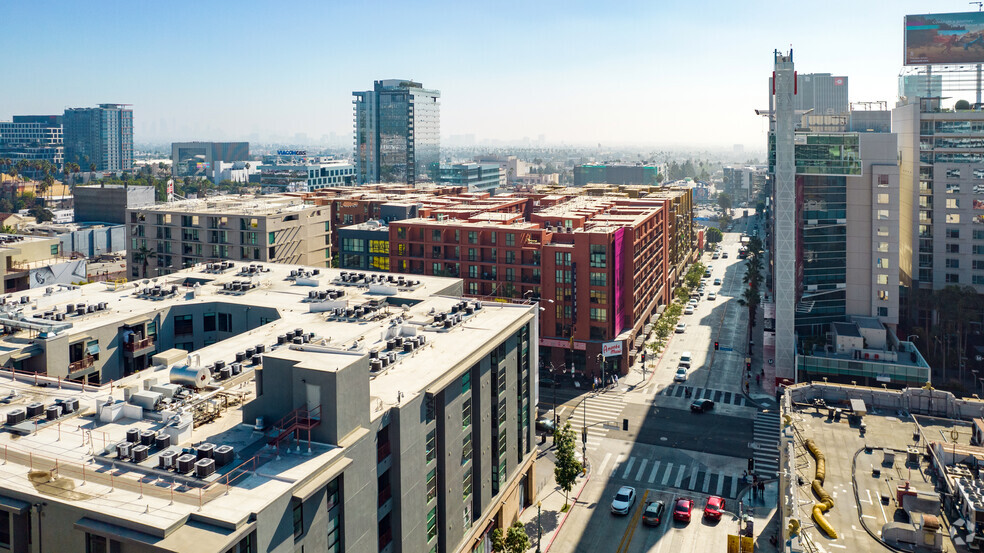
x=794 y=526
x=786 y=420
x=826 y=502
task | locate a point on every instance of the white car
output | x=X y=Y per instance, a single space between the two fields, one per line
x=681 y=374
x=712 y=296
x=680 y=328
x=717 y=282
x=692 y=302
x=689 y=310
x=715 y=255
x=623 y=500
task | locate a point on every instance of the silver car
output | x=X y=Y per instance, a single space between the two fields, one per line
x=623 y=500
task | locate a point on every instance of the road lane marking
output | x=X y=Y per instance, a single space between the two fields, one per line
x=679 y=480
x=618 y=461
x=642 y=467
x=604 y=462
x=720 y=487
x=734 y=485
x=666 y=476
x=707 y=481
x=652 y=476
x=693 y=477
x=628 y=468
x=623 y=546
x=883 y=511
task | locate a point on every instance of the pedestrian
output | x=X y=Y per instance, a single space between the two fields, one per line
x=758 y=379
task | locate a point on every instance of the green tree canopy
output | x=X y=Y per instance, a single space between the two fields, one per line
x=714 y=235
x=567 y=466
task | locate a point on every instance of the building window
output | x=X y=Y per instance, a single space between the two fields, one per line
x=436 y=235
x=466 y=413
x=183 y=324
x=953 y=233
x=431 y=445
x=432 y=484
x=952 y=248
x=883 y=295
x=881 y=262
x=562 y=277
x=883 y=214
x=379 y=246
x=952 y=203
x=466 y=448
x=472 y=237
x=953 y=173
x=978 y=265
x=466 y=382
x=298 y=514
x=599 y=255
x=4 y=529
x=882 y=279
x=510 y=239
x=597 y=296
x=882 y=198
x=54 y=249
x=882 y=180
x=599 y=314
x=473 y=288
x=561 y=258
x=209 y=322
x=883 y=247
x=952 y=263
x=978 y=280
x=466 y=483
x=225 y=322
x=952 y=218
x=952 y=278
x=882 y=311
x=432 y=523
x=599 y=279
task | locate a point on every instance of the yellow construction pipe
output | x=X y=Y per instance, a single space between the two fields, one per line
x=826 y=502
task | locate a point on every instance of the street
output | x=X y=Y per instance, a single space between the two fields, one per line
x=667 y=451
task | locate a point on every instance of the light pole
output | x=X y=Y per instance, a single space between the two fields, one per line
x=539 y=529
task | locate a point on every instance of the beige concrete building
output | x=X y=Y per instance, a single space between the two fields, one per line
x=34 y=262
x=271 y=228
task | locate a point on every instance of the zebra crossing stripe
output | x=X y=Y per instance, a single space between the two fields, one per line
x=652 y=475
x=679 y=480
x=666 y=475
x=734 y=486
x=642 y=468
x=720 y=486
x=628 y=468
x=604 y=462
x=707 y=481
x=693 y=478
x=618 y=461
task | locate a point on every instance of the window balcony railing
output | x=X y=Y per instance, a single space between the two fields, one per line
x=83 y=363
x=138 y=344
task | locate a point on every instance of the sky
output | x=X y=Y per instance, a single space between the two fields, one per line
x=649 y=72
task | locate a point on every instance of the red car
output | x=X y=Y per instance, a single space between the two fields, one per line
x=713 y=508
x=682 y=508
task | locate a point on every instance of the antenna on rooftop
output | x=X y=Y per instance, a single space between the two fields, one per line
x=980 y=5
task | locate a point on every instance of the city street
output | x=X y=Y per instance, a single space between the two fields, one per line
x=668 y=451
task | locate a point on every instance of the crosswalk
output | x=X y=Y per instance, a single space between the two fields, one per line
x=717 y=396
x=766 y=438
x=597 y=413
x=662 y=473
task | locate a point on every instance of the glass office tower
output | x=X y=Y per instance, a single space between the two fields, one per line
x=397 y=132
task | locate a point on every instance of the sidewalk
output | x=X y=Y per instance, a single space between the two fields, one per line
x=551 y=499
x=765 y=514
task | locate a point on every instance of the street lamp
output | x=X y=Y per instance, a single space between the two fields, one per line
x=539 y=529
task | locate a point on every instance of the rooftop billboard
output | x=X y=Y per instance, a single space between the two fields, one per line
x=944 y=38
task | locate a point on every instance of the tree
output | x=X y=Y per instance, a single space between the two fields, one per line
x=567 y=466
x=143 y=256
x=724 y=201
x=754 y=245
x=515 y=540
x=714 y=235
x=40 y=214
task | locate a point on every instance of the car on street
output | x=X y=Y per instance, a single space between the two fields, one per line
x=715 y=255
x=714 y=507
x=680 y=327
x=623 y=500
x=653 y=515
x=681 y=509
x=724 y=255
x=712 y=296
x=681 y=374
x=545 y=425
x=685 y=359
x=717 y=282
x=707 y=273
x=689 y=310
x=701 y=406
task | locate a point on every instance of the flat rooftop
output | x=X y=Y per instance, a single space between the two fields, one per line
x=267 y=204
x=84 y=445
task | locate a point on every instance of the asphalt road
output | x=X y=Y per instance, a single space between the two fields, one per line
x=681 y=429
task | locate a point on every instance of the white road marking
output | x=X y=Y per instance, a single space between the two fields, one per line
x=628 y=468
x=666 y=476
x=679 y=480
x=720 y=487
x=868 y=492
x=707 y=481
x=618 y=461
x=883 y=512
x=837 y=546
x=642 y=467
x=652 y=475
x=604 y=462
x=693 y=478
x=868 y=516
x=734 y=485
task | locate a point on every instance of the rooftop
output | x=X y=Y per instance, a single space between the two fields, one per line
x=268 y=204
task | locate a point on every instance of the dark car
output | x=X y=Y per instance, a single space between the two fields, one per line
x=681 y=509
x=653 y=515
x=545 y=425
x=701 y=406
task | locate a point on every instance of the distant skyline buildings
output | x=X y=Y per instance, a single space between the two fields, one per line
x=101 y=136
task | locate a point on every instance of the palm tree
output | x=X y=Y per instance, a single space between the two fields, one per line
x=143 y=255
x=750 y=299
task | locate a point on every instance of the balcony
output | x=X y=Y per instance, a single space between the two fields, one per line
x=138 y=345
x=81 y=364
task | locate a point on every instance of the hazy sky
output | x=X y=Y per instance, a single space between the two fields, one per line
x=647 y=72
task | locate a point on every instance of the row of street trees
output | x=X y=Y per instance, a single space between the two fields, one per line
x=753 y=277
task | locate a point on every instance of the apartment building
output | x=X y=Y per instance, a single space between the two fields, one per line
x=271 y=228
x=101 y=136
x=310 y=409
x=33 y=138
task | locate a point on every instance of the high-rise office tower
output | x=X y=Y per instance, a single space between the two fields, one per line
x=784 y=188
x=823 y=93
x=397 y=132
x=33 y=138
x=100 y=136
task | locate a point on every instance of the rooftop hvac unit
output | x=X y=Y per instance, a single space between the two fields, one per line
x=70 y=405
x=237 y=368
x=223 y=455
x=147 y=437
x=204 y=451
x=16 y=416
x=53 y=412
x=185 y=463
x=204 y=467
x=140 y=453
x=162 y=441
x=123 y=450
x=34 y=409
x=166 y=460
x=133 y=435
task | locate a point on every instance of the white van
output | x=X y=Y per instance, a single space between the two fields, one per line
x=685 y=358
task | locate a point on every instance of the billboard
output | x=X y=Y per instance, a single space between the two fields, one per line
x=944 y=38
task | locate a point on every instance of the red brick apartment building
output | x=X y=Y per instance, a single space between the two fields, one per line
x=599 y=266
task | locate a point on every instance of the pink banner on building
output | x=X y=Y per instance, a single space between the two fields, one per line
x=619 y=280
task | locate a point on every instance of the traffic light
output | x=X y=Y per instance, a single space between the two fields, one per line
x=716 y=346
x=748 y=365
x=751 y=464
x=584 y=434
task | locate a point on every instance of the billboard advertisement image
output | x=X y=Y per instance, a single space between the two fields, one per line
x=944 y=38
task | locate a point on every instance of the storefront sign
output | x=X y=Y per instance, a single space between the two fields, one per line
x=611 y=349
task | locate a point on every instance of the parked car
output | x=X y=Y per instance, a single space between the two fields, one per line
x=724 y=255
x=623 y=500
x=701 y=406
x=707 y=273
x=689 y=310
x=681 y=374
x=717 y=282
x=681 y=509
x=685 y=358
x=712 y=296
x=715 y=255
x=680 y=327
x=713 y=508
x=653 y=515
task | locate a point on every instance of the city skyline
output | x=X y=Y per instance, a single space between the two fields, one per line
x=521 y=73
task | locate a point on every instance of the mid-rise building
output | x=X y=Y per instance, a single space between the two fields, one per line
x=107 y=203
x=238 y=412
x=304 y=174
x=364 y=246
x=199 y=159
x=33 y=138
x=100 y=137
x=477 y=177
x=271 y=228
x=397 y=133
x=615 y=174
